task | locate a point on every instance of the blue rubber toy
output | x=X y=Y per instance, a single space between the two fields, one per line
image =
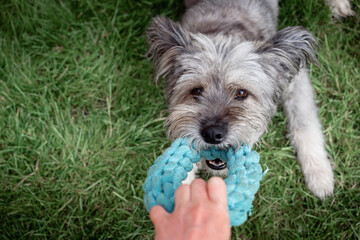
x=172 y=167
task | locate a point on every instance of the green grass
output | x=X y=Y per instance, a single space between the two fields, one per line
x=81 y=121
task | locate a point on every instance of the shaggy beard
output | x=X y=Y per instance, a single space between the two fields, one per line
x=183 y=123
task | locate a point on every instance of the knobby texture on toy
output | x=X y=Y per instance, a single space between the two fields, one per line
x=172 y=167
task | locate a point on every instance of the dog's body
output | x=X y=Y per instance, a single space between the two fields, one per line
x=227 y=69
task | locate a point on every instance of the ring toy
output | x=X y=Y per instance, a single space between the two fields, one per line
x=172 y=167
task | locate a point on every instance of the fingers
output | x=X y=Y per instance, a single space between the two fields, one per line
x=198 y=190
x=217 y=191
x=182 y=194
x=158 y=214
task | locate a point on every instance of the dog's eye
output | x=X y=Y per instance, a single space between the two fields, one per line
x=241 y=94
x=196 y=92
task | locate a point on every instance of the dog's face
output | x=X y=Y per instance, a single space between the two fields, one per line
x=223 y=91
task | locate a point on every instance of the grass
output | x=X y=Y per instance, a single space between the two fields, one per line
x=82 y=121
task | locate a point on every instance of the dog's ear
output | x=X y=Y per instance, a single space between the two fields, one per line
x=167 y=40
x=289 y=50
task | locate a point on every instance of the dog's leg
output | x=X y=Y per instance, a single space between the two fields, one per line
x=307 y=137
x=340 y=8
x=274 y=4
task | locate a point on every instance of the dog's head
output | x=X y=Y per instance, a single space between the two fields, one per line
x=223 y=90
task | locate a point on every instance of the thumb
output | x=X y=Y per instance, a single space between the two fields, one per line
x=158 y=214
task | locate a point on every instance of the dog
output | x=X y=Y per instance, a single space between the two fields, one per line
x=227 y=69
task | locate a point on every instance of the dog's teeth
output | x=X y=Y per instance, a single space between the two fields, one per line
x=216 y=162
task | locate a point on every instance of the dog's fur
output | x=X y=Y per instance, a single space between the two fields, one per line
x=221 y=46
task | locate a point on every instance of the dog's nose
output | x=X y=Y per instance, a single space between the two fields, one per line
x=213 y=134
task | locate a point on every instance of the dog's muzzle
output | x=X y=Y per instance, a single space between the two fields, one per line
x=216 y=164
x=213 y=134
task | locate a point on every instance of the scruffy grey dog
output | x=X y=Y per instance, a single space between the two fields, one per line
x=227 y=69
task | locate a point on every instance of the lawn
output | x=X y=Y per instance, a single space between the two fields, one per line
x=81 y=121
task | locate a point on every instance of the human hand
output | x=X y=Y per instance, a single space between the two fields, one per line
x=201 y=212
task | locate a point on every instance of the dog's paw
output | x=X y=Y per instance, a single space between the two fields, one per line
x=191 y=175
x=320 y=182
x=341 y=8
